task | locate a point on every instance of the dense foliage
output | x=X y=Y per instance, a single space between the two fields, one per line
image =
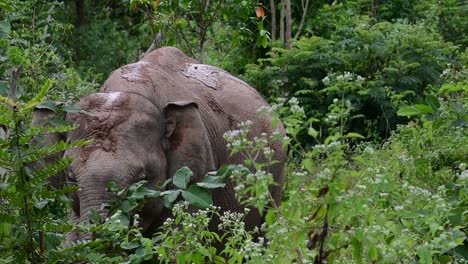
x=373 y=95
x=378 y=66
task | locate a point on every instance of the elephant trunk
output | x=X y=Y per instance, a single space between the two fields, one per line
x=91 y=200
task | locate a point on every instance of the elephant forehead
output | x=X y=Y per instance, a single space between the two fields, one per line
x=100 y=127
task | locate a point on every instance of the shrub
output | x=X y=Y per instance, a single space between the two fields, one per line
x=393 y=63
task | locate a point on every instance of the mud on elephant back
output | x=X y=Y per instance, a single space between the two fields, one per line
x=153 y=117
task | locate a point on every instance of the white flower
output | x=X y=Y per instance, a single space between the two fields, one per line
x=446 y=71
x=281 y=100
x=369 y=150
x=462 y=166
x=297 y=109
x=293 y=101
x=360 y=186
x=268 y=151
x=230 y=135
x=464 y=175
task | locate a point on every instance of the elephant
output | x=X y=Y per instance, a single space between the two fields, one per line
x=151 y=118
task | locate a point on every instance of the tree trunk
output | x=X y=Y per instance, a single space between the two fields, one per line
x=157 y=42
x=282 y=21
x=80 y=14
x=287 y=32
x=375 y=7
x=273 y=20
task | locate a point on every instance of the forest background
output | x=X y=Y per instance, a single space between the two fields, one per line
x=372 y=94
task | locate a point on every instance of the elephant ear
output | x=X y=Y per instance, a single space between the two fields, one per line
x=187 y=139
x=41 y=117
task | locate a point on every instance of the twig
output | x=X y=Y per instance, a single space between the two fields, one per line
x=301 y=24
x=157 y=42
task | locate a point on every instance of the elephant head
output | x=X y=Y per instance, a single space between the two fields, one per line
x=132 y=140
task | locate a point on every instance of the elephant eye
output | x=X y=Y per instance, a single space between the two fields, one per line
x=70 y=175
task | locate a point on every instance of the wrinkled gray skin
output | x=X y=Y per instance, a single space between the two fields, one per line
x=153 y=117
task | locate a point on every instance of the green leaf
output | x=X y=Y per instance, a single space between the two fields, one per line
x=180 y=258
x=214 y=179
x=170 y=197
x=210 y=185
x=334 y=210
x=270 y=217
x=434 y=226
x=451 y=88
x=5 y=229
x=128 y=205
x=198 y=197
x=143 y=193
x=433 y=102
x=41 y=204
x=165 y=183
x=373 y=253
x=51 y=105
x=413 y=110
x=424 y=254
x=357 y=249
x=5 y=29
x=182 y=177
x=72 y=108
x=308 y=164
x=462 y=250
x=312 y=132
x=129 y=244
x=112 y=186
x=354 y=135
x=58 y=122
x=226 y=171
x=264 y=41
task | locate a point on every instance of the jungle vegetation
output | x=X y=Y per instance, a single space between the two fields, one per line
x=373 y=95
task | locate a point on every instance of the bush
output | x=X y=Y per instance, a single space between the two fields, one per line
x=31 y=211
x=377 y=68
x=29 y=46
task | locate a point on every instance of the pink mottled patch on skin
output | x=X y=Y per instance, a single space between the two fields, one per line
x=109 y=110
x=135 y=71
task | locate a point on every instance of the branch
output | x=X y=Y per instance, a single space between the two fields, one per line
x=304 y=13
x=157 y=42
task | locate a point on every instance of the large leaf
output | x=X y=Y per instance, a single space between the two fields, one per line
x=41 y=204
x=5 y=29
x=51 y=105
x=213 y=180
x=413 y=110
x=433 y=102
x=170 y=197
x=141 y=192
x=70 y=108
x=5 y=229
x=211 y=185
x=182 y=177
x=198 y=197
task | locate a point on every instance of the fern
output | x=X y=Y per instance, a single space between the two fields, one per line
x=30 y=210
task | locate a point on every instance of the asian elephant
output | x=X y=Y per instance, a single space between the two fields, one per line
x=152 y=117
